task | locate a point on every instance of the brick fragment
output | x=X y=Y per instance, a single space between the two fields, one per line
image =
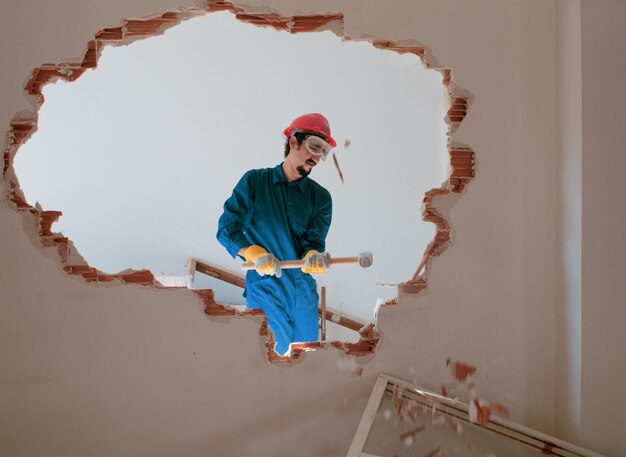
x=211 y=307
x=47 y=218
x=144 y=277
x=461 y=371
x=110 y=34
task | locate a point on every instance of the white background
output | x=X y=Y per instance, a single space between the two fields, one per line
x=141 y=153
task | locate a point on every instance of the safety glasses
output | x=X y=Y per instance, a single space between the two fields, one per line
x=316 y=146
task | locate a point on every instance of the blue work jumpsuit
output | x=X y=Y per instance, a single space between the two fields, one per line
x=288 y=219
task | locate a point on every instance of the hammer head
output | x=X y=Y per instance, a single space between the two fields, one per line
x=366 y=259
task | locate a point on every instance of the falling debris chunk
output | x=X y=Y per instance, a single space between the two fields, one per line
x=479 y=412
x=461 y=371
x=337 y=167
x=347 y=144
x=434 y=413
x=445 y=388
x=500 y=410
x=411 y=435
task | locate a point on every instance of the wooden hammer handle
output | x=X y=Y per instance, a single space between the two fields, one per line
x=299 y=263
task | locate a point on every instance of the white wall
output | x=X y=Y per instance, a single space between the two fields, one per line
x=129 y=371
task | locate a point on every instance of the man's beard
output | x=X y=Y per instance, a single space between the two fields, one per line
x=303 y=172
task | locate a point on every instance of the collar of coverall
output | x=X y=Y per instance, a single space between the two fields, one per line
x=279 y=176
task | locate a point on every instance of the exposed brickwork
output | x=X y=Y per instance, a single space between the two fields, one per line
x=462 y=162
x=413 y=286
x=110 y=34
x=211 y=307
x=90 y=274
x=50 y=72
x=91 y=56
x=458 y=110
x=19 y=131
x=461 y=159
x=47 y=219
x=292 y=24
x=148 y=27
x=462 y=171
x=400 y=49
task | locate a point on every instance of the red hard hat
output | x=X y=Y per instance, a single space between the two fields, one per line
x=312 y=122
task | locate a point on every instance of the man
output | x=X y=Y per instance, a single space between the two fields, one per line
x=281 y=214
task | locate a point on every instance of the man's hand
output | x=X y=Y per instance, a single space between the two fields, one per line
x=264 y=262
x=316 y=263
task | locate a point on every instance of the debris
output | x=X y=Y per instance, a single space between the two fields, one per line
x=397 y=400
x=347 y=143
x=547 y=448
x=337 y=167
x=461 y=371
x=444 y=390
x=446 y=387
x=412 y=434
x=407 y=409
x=411 y=409
x=500 y=410
x=479 y=412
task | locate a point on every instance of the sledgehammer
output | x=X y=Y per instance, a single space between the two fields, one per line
x=364 y=260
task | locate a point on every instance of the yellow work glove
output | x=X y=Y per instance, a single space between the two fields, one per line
x=316 y=263
x=264 y=262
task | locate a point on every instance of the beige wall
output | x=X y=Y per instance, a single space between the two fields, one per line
x=122 y=370
x=603 y=298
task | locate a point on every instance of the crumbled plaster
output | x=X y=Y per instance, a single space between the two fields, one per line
x=461 y=166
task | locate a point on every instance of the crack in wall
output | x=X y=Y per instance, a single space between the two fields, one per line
x=461 y=165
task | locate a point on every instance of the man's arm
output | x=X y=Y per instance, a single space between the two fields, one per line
x=238 y=210
x=235 y=220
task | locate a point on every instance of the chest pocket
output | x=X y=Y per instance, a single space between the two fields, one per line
x=299 y=211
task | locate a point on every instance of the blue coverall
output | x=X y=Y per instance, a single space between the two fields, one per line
x=287 y=219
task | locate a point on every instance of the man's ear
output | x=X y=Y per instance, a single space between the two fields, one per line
x=293 y=142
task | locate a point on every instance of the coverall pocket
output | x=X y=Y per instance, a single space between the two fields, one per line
x=261 y=292
x=306 y=293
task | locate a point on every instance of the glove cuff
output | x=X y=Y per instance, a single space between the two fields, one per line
x=310 y=253
x=254 y=252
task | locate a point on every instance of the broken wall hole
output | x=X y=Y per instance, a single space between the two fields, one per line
x=460 y=163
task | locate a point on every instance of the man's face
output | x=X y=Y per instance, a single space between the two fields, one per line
x=302 y=160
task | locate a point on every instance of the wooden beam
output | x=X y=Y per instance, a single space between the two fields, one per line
x=220 y=273
x=342 y=320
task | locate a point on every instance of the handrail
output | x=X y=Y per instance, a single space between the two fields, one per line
x=196 y=265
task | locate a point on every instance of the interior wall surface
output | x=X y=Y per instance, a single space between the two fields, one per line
x=130 y=371
x=603 y=38
x=568 y=93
